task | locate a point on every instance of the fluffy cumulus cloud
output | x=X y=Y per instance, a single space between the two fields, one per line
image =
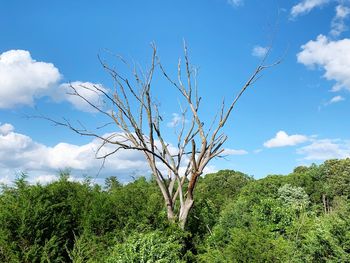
x=283 y=139
x=6 y=128
x=89 y=91
x=22 y=78
x=259 y=51
x=320 y=150
x=332 y=56
x=306 y=6
x=19 y=152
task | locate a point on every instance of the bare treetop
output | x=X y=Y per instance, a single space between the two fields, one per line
x=132 y=108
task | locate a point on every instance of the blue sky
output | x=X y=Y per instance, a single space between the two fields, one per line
x=296 y=114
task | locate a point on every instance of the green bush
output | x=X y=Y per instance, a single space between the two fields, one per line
x=146 y=248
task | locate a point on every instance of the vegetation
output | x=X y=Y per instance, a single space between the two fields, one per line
x=300 y=217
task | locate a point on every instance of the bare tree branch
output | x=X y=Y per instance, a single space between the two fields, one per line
x=133 y=109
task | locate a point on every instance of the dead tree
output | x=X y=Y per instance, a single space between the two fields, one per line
x=175 y=167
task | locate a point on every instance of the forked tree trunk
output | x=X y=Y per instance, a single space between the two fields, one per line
x=184 y=212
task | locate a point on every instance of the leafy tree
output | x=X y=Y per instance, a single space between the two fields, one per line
x=251 y=245
x=214 y=191
x=147 y=247
x=336 y=174
x=293 y=196
x=274 y=219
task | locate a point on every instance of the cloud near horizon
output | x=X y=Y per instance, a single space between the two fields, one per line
x=324 y=149
x=315 y=150
x=20 y=153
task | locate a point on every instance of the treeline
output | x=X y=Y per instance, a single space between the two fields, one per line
x=300 y=217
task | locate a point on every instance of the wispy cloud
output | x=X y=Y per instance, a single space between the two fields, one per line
x=306 y=6
x=338 y=25
x=234 y=152
x=235 y=3
x=259 y=51
x=85 y=89
x=257 y=151
x=335 y=99
x=342 y=12
x=282 y=139
x=176 y=120
x=325 y=149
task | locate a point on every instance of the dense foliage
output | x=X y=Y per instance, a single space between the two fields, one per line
x=300 y=217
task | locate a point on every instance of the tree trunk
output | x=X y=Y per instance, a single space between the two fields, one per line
x=324 y=200
x=170 y=213
x=184 y=211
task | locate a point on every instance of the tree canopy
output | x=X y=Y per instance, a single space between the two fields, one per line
x=280 y=218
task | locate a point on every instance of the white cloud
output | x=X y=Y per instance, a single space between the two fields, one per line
x=335 y=99
x=86 y=90
x=342 y=11
x=325 y=149
x=20 y=153
x=332 y=56
x=259 y=51
x=175 y=121
x=6 y=179
x=235 y=3
x=45 y=178
x=306 y=6
x=23 y=78
x=338 y=23
x=6 y=129
x=209 y=169
x=283 y=139
x=234 y=152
